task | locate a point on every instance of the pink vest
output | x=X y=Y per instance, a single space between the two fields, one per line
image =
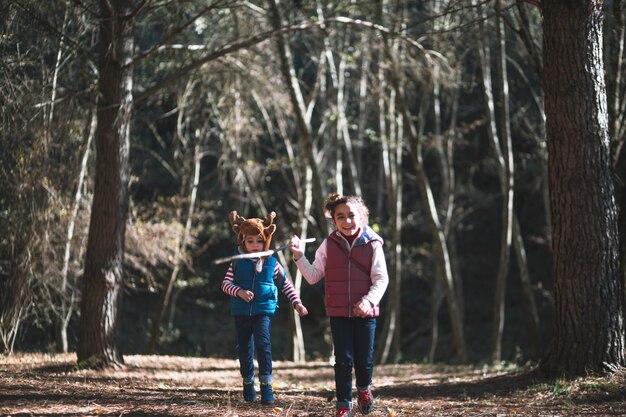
x=347 y=277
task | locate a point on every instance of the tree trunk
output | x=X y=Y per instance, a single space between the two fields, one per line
x=340 y=140
x=104 y=268
x=392 y=146
x=303 y=191
x=299 y=109
x=616 y=34
x=499 y=133
x=522 y=265
x=298 y=351
x=66 y=306
x=588 y=325
x=189 y=178
x=439 y=239
x=181 y=248
x=363 y=87
x=443 y=149
x=440 y=246
x=614 y=74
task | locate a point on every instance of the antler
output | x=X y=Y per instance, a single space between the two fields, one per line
x=269 y=219
x=235 y=220
x=252 y=226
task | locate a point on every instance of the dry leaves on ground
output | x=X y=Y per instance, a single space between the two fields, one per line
x=52 y=385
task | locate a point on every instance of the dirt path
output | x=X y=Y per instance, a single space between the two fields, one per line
x=51 y=385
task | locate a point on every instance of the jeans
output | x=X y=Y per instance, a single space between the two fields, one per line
x=353 y=339
x=254 y=332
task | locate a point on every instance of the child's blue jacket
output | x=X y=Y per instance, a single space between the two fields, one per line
x=261 y=284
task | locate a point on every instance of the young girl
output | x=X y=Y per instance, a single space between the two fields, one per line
x=252 y=284
x=352 y=260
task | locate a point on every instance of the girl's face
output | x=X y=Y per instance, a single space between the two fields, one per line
x=254 y=243
x=347 y=218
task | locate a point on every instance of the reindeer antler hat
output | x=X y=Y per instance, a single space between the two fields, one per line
x=252 y=227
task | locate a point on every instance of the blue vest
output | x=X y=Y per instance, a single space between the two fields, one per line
x=260 y=283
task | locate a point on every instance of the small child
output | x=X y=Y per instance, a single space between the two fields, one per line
x=252 y=284
x=352 y=261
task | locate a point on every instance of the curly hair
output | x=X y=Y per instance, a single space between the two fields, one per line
x=335 y=200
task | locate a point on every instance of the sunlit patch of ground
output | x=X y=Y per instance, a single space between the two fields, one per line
x=52 y=385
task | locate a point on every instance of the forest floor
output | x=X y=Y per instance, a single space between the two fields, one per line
x=52 y=385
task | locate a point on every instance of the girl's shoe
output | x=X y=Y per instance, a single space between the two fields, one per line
x=249 y=393
x=343 y=412
x=365 y=401
x=267 y=393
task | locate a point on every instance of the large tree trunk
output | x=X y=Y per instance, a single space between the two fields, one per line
x=588 y=329
x=104 y=271
x=616 y=34
x=614 y=71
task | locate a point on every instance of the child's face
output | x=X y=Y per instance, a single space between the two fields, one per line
x=347 y=218
x=254 y=243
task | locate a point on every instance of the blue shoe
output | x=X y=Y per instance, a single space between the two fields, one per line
x=267 y=393
x=249 y=393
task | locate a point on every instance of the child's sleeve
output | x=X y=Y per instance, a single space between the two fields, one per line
x=378 y=275
x=287 y=286
x=314 y=272
x=228 y=284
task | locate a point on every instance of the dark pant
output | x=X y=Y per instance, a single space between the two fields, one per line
x=353 y=339
x=254 y=332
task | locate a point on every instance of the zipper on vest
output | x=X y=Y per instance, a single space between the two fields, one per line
x=349 y=281
x=253 y=285
x=350 y=246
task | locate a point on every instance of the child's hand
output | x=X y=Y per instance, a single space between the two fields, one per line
x=301 y=309
x=295 y=247
x=245 y=295
x=362 y=308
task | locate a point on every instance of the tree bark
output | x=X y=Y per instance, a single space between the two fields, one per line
x=104 y=269
x=616 y=34
x=614 y=73
x=588 y=326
